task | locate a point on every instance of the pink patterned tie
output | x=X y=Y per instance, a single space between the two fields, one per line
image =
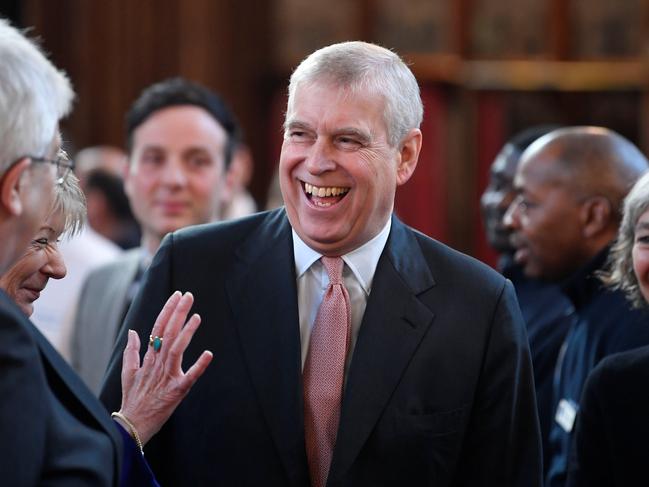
x=324 y=372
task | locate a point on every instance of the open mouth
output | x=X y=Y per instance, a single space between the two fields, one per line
x=324 y=196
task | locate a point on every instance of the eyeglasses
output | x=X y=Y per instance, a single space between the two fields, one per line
x=64 y=165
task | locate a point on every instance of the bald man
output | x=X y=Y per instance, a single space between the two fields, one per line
x=570 y=185
x=542 y=303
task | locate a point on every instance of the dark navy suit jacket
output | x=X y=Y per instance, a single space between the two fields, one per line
x=439 y=391
x=610 y=448
x=548 y=314
x=53 y=431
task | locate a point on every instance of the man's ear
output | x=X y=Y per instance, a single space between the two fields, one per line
x=408 y=156
x=228 y=183
x=10 y=188
x=596 y=215
x=126 y=175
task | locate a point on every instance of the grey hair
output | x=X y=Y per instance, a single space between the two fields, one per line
x=70 y=202
x=360 y=67
x=620 y=274
x=34 y=96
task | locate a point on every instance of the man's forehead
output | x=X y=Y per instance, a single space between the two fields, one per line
x=506 y=162
x=540 y=171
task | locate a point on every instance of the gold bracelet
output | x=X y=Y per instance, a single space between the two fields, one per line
x=131 y=429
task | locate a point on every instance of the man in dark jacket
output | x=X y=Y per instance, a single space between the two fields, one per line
x=570 y=186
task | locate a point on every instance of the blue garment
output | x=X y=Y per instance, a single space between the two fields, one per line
x=53 y=430
x=604 y=324
x=548 y=314
x=135 y=470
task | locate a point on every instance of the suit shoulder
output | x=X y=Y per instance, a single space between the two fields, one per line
x=18 y=343
x=225 y=235
x=11 y=317
x=617 y=384
x=629 y=364
x=449 y=264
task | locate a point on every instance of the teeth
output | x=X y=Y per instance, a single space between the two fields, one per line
x=324 y=191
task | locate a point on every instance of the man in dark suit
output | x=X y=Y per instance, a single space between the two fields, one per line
x=48 y=435
x=416 y=357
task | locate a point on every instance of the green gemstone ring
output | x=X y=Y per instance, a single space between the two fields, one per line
x=155 y=342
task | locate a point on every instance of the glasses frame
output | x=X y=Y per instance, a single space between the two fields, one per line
x=64 y=165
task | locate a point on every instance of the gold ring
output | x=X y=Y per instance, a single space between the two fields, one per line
x=155 y=342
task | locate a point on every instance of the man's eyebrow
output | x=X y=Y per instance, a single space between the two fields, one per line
x=361 y=134
x=153 y=146
x=296 y=124
x=643 y=225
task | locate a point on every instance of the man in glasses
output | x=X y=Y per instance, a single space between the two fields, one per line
x=51 y=429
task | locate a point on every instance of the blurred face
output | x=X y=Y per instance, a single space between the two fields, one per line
x=545 y=221
x=24 y=281
x=338 y=173
x=497 y=197
x=176 y=170
x=640 y=254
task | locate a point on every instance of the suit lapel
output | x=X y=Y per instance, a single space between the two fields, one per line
x=394 y=323
x=60 y=375
x=262 y=293
x=120 y=283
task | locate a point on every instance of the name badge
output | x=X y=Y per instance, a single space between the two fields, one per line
x=566 y=414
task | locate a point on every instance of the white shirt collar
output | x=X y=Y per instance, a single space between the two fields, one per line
x=362 y=261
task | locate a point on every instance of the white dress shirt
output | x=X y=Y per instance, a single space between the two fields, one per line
x=312 y=282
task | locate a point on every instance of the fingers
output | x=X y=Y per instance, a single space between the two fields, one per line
x=196 y=370
x=130 y=357
x=176 y=322
x=177 y=348
x=165 y=314
x=161 y=324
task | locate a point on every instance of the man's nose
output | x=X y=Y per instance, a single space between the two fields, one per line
x=320 y=158
x=173 y=172
x=511 y=217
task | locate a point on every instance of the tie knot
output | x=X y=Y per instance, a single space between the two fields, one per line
x=334 y=267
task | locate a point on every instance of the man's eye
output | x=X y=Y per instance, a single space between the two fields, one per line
x=296 y=134
x=527 y=204
x=348 y=142
x=41 y=242
x=199 y=161
x=153 y=159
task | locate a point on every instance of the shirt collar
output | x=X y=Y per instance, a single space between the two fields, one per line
x=362 y=261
